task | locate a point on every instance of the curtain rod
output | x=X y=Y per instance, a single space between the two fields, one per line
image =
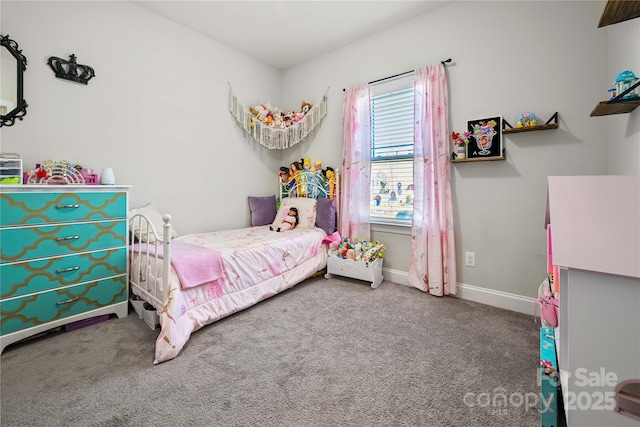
x=401 y=74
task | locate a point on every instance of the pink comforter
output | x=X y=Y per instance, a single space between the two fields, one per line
x=259 y=263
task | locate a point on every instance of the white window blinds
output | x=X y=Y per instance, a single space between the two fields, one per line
x=392 y=125
x=392 y=150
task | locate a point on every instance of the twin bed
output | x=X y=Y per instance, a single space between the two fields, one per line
x=197 y=279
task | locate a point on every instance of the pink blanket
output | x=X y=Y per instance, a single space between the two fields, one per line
x=195 y=265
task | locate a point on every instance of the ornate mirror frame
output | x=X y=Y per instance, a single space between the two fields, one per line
x=20 y=109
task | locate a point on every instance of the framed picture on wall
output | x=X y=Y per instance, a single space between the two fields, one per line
x=486 y=138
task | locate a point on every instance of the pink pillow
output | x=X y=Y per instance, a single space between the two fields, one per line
x=306 y=211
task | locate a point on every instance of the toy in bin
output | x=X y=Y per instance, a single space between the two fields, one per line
x=360 y=250
x=358 y=260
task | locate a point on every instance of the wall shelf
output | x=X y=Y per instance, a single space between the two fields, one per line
x=606 y=108
x=478 y=159
x=619 y=11
x=531 y=128
x=548 y=125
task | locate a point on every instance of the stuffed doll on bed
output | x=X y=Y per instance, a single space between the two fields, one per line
x=289 y=222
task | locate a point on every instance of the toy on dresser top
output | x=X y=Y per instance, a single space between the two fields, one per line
x=60 y=172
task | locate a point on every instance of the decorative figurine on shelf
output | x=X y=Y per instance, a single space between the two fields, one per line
x=289 y=222
x=460 y=142
x=624 y=81
x=526 y=119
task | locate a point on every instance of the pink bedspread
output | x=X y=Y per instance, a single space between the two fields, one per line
x=259 y=263
x=194 y=265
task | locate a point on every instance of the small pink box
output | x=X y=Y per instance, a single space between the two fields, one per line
x=91 y=179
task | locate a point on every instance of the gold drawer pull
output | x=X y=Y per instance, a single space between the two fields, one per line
x=66 y=270
x=67 y=301
x=59 y=239
x=67 y=206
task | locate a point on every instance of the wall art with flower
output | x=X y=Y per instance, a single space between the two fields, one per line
x=485 y=140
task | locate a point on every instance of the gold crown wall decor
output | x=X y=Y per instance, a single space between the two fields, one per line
x=71 y=70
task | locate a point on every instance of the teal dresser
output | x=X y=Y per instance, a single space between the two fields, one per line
x=63 y=256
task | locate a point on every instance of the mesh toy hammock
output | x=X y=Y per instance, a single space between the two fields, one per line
x=271 y=136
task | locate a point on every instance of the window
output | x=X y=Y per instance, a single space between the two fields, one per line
x=392 y=151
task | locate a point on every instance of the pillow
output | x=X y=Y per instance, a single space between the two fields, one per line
x=326 y=215
x=306 y=211
x=263 y=210
x=155 y=217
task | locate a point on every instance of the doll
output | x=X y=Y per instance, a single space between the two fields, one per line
x=289 y=222
x=284 y=175
x=331 y=177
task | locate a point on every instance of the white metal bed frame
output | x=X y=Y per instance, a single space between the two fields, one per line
x=159 y=252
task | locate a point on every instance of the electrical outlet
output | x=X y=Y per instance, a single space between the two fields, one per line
x=470 y=259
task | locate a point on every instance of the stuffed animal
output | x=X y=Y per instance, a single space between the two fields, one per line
x=333 y=240
x=297 y=117
x=289 y=222
x=305 y=107
x=259 y=111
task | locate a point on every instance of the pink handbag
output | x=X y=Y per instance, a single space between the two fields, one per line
x=548 y=310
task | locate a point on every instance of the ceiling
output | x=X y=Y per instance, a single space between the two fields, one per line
x=288 y=33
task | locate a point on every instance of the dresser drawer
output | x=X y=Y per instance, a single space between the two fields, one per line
x=43 y=208
x=50 y=240
x=37 y=309
x=28 y=277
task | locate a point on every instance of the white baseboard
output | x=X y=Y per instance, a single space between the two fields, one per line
x=501 y=299
x=492 y=297
x=395 y=276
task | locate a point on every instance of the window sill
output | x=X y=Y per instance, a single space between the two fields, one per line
x=391 y=226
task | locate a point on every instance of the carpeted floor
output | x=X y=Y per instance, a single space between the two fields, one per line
x=324 y=353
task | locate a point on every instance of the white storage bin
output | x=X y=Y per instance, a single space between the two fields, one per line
x=150 y=316
x=137 y=306
x=369 y=271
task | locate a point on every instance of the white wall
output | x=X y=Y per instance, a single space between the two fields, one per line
x=156 y=112
x=162 y=87
x=509 y=57
x=623 y=130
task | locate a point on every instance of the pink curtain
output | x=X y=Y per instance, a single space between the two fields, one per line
x=433 y=260
x=356 y=164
